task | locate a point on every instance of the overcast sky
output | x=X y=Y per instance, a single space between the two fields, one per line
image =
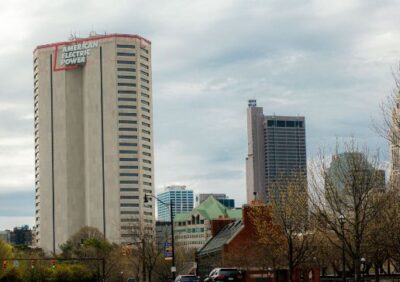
x=330 y=61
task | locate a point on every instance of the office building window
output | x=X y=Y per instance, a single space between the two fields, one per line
x=126 y=69
x=128 y=46
x=126 y=54
x=122 y=62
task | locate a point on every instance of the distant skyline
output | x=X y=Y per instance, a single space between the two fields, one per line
x=330 y=62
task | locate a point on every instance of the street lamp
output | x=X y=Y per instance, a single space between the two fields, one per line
x=171 y=208
x=341 y=221
x=362 y=260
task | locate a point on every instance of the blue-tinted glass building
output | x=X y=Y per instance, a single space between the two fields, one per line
x=182 y=201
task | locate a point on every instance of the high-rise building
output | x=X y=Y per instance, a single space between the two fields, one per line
x=181 y=198
x=349 y=171
x=93 y=137
x=276 y=151
x=222 y=198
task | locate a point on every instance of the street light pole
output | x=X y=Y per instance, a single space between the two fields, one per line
x=341 y=221
x=171 y=208
x=363 y=261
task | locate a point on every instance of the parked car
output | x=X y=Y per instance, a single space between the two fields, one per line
x=225 y=274
x=187 y=278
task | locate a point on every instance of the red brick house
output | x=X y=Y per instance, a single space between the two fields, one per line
x=235 y=244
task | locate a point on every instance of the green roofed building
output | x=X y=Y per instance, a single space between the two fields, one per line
x=193 y=229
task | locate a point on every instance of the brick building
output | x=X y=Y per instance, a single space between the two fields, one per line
x=235 y=244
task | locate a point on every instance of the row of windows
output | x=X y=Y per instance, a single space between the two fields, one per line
x=131 y=106
x=128 y=205
x=128 y=182
x=129 y=220
x=127 y=107
x=129 y=197
x=127 y=84
x=123 y=62
x=127 y=76
x=127 y=129
x=127 y=69
x=193 y=243
x=132 y=129
x=128 y=174
x=126 y=92
x=127 y=114
x=126 y=54
x=127 y=121
x=189 y=236
x=128 y=46
x=284 y=123
x=129 y=189
x=129 y=212
x=127 y=136
x=127 y=144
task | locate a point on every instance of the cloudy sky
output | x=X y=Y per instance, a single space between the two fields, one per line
x=331 y=61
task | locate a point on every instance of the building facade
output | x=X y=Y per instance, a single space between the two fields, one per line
x=237 y=244
x=394 y=135
x=93 y=137
x=21 y=236
x=193 y=229
x=163 y=233
x=222 y=198
x=276 y=152
x=5 y=236
x=181 y=198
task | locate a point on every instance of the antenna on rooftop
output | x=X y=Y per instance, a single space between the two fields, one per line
x=71 y=36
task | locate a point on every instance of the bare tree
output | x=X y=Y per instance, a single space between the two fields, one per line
x=388 y=127
x=143 y=252
x=289 y=230
x=290 y=211
x=351 y=187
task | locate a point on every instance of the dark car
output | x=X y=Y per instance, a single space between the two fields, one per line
x=187 y=278
x=225 y=274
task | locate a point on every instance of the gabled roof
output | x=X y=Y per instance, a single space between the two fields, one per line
x=217 y=242
x=210 y=209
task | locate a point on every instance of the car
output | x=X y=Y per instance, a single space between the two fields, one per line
x=187 y=278
x=225 y=274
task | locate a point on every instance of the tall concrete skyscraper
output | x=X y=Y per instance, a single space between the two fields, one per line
x=93 y=137
x=276 y=151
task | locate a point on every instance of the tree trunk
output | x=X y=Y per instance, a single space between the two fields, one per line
x=377 y=267
x=290 y=254
x=357 y=270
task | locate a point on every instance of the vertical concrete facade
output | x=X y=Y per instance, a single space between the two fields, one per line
x=276 y=152
x=93 y=138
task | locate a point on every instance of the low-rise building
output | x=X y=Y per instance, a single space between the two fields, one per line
x=5 y=236
x=236 y=244
x=21 y=236
x=193 y=229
